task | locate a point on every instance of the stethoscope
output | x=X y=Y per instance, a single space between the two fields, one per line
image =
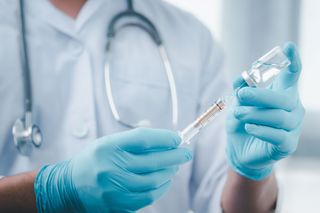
x=27 y=134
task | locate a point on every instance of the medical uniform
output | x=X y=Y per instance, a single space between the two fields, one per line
x=70 y=105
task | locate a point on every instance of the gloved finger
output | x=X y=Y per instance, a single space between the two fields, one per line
x=149 y=181
x=284 y=140
x=233 y=124
x=153 y=161
x=145 y=139
x=276 y=118
x=289 y=76
x=148 y=197
x=258 y=97
x=239 y=83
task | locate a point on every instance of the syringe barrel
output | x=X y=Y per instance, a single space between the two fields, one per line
x=188 y=133
x=194 y=128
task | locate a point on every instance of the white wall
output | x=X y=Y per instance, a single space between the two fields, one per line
x=310 y=51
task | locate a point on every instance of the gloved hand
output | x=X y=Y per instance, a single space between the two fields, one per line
x=264 y=125
x=118 y=173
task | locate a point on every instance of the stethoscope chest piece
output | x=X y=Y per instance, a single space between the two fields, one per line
x=25 y=133
x=26 y=136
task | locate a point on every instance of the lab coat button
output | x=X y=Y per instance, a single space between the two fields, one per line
x=80 y=130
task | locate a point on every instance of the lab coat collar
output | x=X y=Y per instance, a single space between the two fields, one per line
x=47 y=12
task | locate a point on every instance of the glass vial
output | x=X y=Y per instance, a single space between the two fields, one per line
x=266 y=68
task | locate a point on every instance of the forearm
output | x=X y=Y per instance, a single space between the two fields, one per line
x=17 y=193
x=243 y=195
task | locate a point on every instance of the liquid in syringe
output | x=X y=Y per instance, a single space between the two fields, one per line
x=194 y=128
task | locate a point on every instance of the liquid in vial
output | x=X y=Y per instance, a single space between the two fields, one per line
x=266 y=68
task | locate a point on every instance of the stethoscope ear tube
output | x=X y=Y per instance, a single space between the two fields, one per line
x=167 y=67
x=146 y=25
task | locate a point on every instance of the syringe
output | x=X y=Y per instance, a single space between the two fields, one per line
x=261 y=74
x=194 y=128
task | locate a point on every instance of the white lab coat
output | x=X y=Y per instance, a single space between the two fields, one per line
x=70 y=104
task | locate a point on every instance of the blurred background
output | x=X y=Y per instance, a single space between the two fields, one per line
x=249 y=28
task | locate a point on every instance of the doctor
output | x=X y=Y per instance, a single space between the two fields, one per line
x=89 y=160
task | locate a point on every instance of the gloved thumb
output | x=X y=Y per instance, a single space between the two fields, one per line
x=290 y=76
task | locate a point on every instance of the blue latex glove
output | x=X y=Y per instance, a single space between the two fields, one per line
x=264 y=125
x=118 y=173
